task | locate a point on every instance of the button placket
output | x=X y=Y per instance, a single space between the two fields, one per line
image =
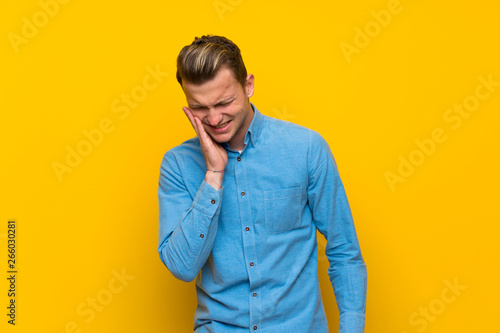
x=250 y=253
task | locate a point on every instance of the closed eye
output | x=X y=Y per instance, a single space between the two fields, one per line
x=226 y=104
x=204 y=107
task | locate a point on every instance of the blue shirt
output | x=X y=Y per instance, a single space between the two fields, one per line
x=251 y=245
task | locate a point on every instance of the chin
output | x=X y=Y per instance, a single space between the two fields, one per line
x=222 y=138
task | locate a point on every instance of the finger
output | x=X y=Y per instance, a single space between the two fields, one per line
x=190 y=116
x=202 y=134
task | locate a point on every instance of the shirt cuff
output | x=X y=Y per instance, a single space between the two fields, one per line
x=207 y=199
x=352 y=322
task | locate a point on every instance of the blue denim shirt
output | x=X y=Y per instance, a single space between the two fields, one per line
x=251 y=245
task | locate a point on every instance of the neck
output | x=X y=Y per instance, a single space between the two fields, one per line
x=238 y=142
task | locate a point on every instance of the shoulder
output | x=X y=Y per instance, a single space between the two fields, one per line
x=276 y=123
x=287 y=130
x=189 y=149
x=292 y=132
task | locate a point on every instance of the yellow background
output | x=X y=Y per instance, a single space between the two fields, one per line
x=75 y=234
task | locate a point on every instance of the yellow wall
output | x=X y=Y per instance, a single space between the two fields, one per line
x=396 y=87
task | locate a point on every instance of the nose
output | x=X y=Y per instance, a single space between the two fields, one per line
x=214 y=117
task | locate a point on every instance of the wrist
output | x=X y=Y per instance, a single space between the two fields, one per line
x=214 y=179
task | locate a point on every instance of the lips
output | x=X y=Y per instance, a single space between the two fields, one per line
x=222 y=125
x=222 y=128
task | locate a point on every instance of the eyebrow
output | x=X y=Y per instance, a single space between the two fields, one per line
x=226 y=100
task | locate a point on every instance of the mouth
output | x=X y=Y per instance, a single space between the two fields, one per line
x=221 y=128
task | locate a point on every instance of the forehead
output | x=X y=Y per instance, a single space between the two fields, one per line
x=222 y=86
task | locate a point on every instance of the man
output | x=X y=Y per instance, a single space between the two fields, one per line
x=240 y=204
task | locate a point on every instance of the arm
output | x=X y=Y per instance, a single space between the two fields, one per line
x=187 y=227
x=332 y=217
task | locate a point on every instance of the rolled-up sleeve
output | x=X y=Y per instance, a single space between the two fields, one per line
x=332 y=217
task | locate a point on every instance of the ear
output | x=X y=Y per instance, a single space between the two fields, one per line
x=249 y=85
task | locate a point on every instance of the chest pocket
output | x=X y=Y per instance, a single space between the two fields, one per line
x=282 y=209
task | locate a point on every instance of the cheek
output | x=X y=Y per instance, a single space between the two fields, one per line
x=237 y=117
x=198 y=114
x=236 y=111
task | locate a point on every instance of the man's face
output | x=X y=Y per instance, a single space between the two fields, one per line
x=222 y=101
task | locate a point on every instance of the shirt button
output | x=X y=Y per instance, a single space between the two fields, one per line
x=213 y=201
x=239 y=158
x=251 y=263
x=255 y=328
x=243 y=194
x=254 y=294
x=202 y=235
x=247 y=229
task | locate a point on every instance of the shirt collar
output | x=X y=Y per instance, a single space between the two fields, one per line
x=254 y=130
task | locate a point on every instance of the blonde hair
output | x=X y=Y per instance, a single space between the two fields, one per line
x=200 y=61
